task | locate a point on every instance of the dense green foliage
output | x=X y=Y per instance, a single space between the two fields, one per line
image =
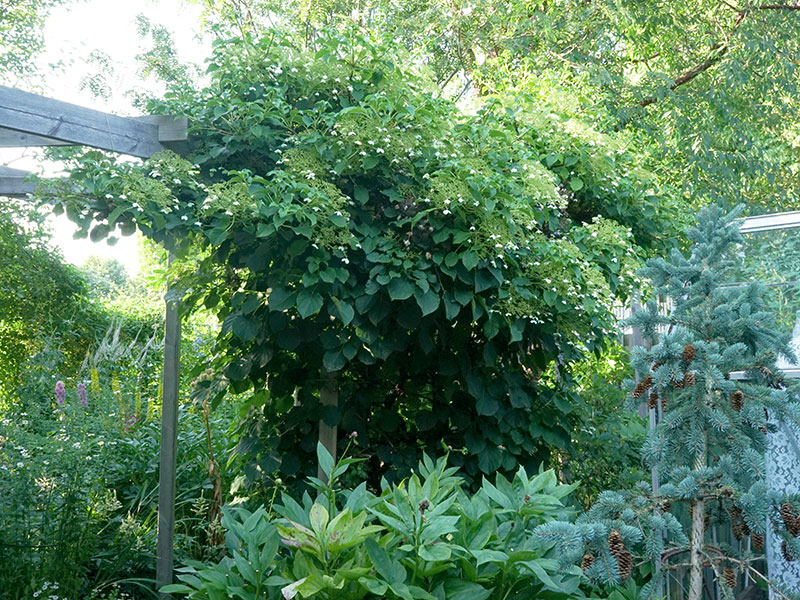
x=709 y=88
x=607 y=434
x=42 y=300
x=708 y=446
x=78 y=489
x=338 y=217
x=436 y=205
x=79 y=485
x=105 y=276
x=425 y=538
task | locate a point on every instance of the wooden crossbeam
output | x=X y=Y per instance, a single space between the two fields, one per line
x=13 y=184
x=31 y=120
x=16 y=139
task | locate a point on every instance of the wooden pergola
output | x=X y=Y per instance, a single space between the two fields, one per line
x=31 y=120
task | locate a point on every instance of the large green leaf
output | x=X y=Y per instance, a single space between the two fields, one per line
x=435 y=552
x=428 y=301
x=391 y=570
x=245 y=328
x=457 y=589
x=325 y=459
x=400 y=289
x=308 y=303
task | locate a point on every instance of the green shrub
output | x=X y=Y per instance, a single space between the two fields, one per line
x=53 y=500
x=79 y=483
x=423 y=538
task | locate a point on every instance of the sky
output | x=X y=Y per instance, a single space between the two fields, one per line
x=72 y=33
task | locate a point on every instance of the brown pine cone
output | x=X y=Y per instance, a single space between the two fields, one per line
x=758 y=541
x=656 y=365
x=737 y=522
x=664 y=403
x=588 y=561
x=652 y=401
x=737 y=400
x=729 y=575
x=688 y=353
x=688 y=379
x=615 y=544
x=642 y=386
x=625 y=564
x=677 y=384
x=789 y=519
x=785 y=552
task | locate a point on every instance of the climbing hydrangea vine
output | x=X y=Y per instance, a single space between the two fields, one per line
x=339 y=217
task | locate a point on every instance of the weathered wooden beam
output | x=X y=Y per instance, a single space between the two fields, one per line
x=16 y=139
x=66 y=123
x=171 y=132
x=170 y=127
x=13 y=184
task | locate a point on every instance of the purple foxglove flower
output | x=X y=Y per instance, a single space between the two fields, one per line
x=130 y=422
x=61 y=393
x=82 y=396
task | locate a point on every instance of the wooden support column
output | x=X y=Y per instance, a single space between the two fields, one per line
x=169 y=442
x=328 y=396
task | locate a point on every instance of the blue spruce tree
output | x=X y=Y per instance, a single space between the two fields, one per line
x=708 y=447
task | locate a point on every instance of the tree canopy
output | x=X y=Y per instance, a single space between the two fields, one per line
x=41 y=298
x=708 y=87
x=21 y=39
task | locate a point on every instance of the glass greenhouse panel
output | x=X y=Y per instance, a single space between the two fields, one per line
x=773 y=258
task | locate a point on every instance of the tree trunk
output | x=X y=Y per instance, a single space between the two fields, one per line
x=328 y=396
x=698 y=533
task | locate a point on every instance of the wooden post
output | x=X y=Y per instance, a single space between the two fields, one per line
x=169 y=442
x=328 y=396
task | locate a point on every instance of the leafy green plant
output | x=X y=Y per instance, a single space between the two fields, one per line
x=248 y=572
x=607 y=434
x=53 y=499
x=425 y=538
x=44 y=302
